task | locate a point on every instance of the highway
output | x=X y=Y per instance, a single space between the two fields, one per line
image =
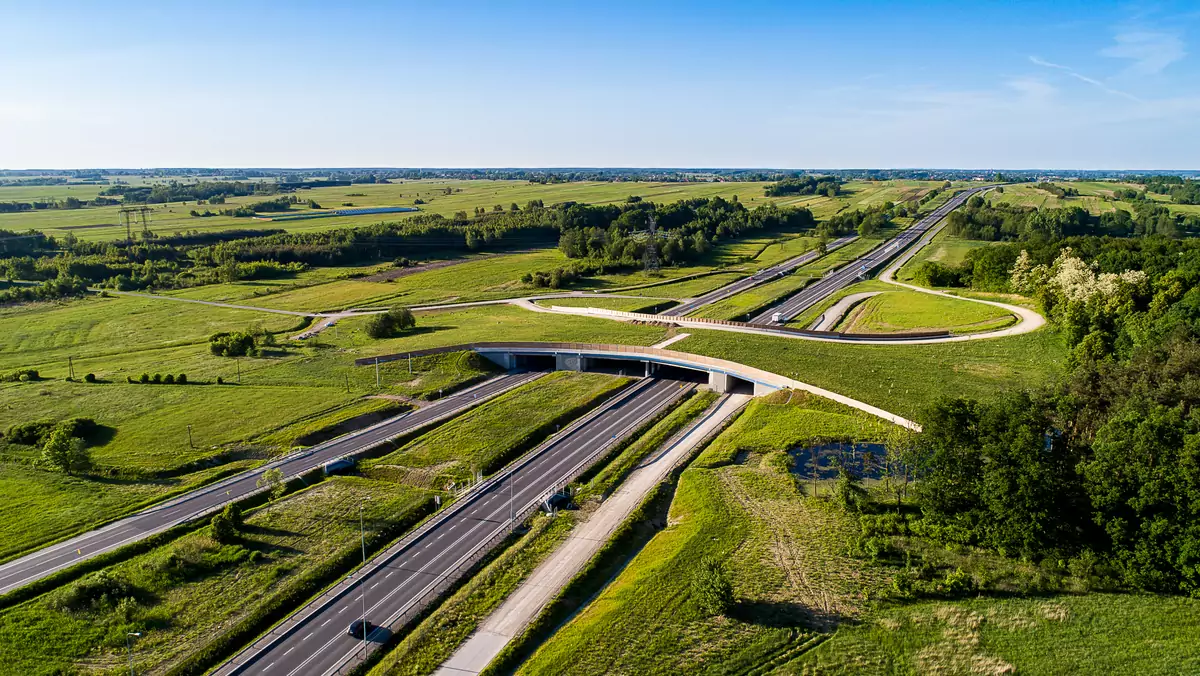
x=864 y=265
x=760 y=277
x=203 y=501
x=399 y=581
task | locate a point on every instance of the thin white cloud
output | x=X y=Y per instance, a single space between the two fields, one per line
x=1150 y=51
x=1080 y=76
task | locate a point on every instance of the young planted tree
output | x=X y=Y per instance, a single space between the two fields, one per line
x=711 y=587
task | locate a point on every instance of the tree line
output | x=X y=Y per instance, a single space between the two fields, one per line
x=828 y=186
x=1102 y=468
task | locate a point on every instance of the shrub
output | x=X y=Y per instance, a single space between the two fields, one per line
x=223 y=529
x=99 y=590
x=30 y=433
x=156 y=379
x=232 y=344
x=220 y=380
x=711 y=587
x=395 y=320
x=169 y=379
x=958 y=583
x=181 y=379
x=22 y=375
x=145 y=378
x=89 y=378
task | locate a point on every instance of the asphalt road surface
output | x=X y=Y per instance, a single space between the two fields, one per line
x=760 y=277
x=205 y=500
x=398 y=580
x=863 y=266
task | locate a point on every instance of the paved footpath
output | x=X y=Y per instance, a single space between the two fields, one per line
x=524 y=604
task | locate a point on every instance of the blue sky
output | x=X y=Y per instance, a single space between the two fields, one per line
x=500 y=84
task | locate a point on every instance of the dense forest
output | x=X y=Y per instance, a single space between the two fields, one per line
x=1098 y=474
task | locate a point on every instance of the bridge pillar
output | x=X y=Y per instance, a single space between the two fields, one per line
x=568 y=362
x=651 y=368
x=719 y=382
x=760 y=389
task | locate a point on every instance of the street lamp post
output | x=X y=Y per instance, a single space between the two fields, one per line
x=362 y=580
x=129 y=647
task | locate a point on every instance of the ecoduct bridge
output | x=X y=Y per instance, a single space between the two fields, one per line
x=720 y=375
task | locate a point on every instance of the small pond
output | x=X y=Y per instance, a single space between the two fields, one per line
x=862 y=458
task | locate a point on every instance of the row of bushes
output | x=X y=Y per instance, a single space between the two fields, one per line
x=21 y=375
x=156 y=379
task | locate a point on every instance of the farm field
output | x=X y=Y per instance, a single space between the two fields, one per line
x=780 y=548
x=190 y=594
x=1094 y=196
x=1094 y=633
x=485 y=438
x=898 y=310
x=445 y=197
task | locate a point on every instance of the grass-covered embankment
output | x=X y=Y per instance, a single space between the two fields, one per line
x=782 y=550
x=901 y=379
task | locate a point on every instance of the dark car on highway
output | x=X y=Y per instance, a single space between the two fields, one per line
x=360 y=628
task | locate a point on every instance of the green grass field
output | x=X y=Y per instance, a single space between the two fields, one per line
x=943 y=249
x=484 y=438
x=899 y=310
x=47 y=333
x=150 y=423
x=187 y=594
x=897 y=378
x=1090 y=634
x=781 y=549
x=38 y=506
x=650 y=305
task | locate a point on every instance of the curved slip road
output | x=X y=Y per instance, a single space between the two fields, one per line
x=834 y=314
x=399 y=581
x=760 y=277
x=204 y=501
x=864 y=265
x=1028 y=320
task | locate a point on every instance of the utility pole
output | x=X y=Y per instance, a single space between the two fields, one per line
x=129 y=647
x=239 y=368
x=347 y=383
x=376 y=371
x=410 y=363
x=191 y=444
x=70 y=369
